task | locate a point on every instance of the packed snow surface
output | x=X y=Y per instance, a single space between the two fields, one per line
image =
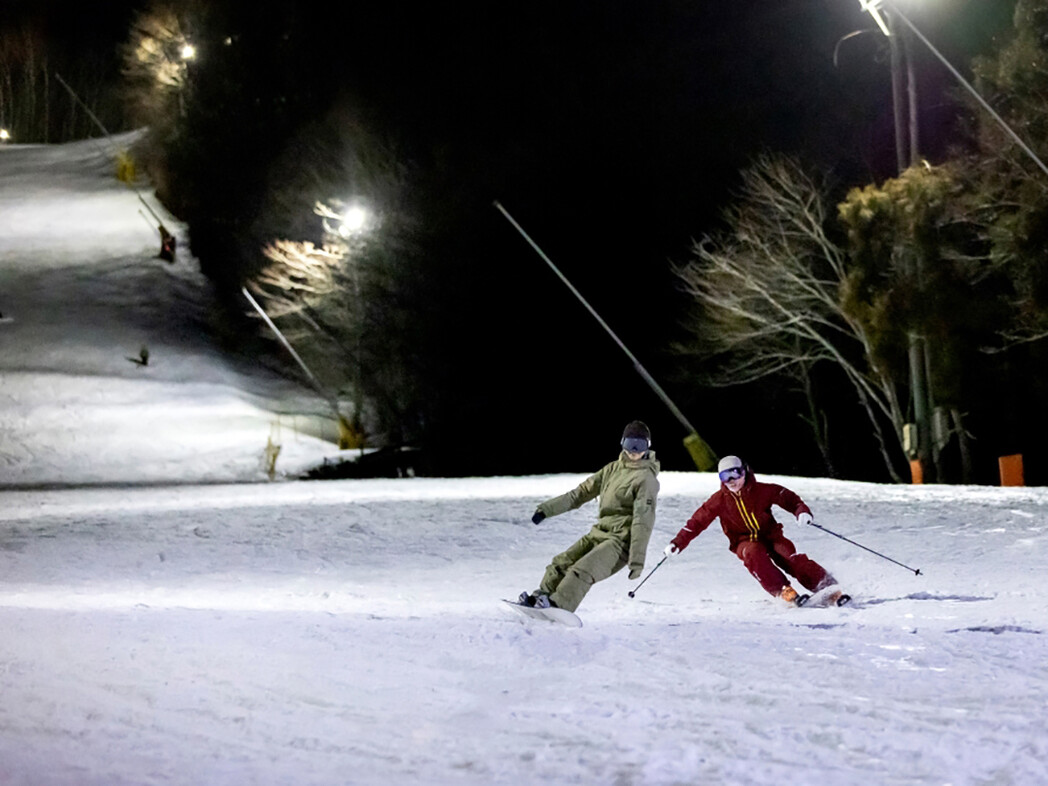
x=166 y=622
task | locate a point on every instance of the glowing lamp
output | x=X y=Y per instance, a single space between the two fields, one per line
x=873 y=8
x=353 y=220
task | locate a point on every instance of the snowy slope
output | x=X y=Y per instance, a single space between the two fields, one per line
x=350 y=632
x=82 y=291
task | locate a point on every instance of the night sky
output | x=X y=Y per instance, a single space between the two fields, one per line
x=614 y=132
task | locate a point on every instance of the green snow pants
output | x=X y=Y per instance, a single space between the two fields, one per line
x=571 y=573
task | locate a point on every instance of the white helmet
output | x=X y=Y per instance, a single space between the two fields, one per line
x=730 y=462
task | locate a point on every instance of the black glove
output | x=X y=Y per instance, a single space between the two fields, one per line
x=538 y=517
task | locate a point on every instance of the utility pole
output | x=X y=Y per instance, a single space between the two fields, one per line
x=906 y=155
x=875 y=9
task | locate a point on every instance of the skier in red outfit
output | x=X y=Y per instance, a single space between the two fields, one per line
x=743 y=505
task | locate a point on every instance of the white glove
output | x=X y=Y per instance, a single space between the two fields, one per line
x=670 y=550
x=804 y=518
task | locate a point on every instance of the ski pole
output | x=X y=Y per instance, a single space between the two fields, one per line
x=916 y=571
x=634 y=590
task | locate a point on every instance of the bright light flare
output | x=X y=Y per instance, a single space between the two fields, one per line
x=873 y=7
x=188 y=52
x=4 y=135
x=353 y=221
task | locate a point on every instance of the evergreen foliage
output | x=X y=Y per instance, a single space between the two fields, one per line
x=1012 y=191
x=273 y=118
x=955 y=254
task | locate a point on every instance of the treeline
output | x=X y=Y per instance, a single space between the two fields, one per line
x=921 y=302
x=340 y=164
x=906 y=317
x=36 y=48
x=284 y=118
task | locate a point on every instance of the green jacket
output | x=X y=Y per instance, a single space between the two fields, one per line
x=628 y=491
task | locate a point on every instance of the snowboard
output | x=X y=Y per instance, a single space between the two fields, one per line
x=830 y=596
x=552 y=614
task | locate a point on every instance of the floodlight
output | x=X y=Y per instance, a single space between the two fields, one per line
x=353 y=220
x=873 y=7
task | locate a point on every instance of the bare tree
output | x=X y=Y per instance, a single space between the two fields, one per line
x=155 y=61
x=769 y=291
x=32 y=109
x=298 y=275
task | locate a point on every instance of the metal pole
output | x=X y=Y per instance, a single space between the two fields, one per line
x=633 y=591
x=916 y=571
x=897 y=104
x=109 y=137
x=967 y=86
x=346 y=434
x=699 y=449
x=904 y=153
x=287 y=346
x=83 y=106
x=911 y=91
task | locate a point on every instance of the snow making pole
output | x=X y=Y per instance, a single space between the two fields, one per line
x=167 y=240
x=346 y=435
x=701 y=453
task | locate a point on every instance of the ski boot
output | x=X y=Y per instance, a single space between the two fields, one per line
x=838 y=599
x=790 y=595
x=539 y=600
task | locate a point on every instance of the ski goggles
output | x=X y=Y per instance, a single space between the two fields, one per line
x=731 y=473
x=635 y=445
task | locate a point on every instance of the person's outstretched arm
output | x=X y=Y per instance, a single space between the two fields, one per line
x=587 y=490
x=696 y=525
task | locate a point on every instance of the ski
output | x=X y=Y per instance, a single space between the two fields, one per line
x=830 y=596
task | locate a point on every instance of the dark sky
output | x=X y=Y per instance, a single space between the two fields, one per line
x=646 y=115
x=614 y=132
x=80 y=26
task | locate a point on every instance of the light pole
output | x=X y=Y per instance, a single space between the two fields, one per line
x=873 y=7
x=905 y=116
x=964 y=82
x=353 y=223
x=186 y=54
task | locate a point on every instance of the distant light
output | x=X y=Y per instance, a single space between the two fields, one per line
x=873 y=6
x=188 y=52
x=4 y=136
x=353 y=220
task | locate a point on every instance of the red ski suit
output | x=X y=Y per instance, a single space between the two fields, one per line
x=754 y=535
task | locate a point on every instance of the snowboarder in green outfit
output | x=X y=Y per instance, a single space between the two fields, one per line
x=628 y=488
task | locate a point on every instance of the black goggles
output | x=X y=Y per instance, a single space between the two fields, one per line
x=635 y=445
x=731 y=473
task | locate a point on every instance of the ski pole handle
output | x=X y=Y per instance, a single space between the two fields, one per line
x=634 y=590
